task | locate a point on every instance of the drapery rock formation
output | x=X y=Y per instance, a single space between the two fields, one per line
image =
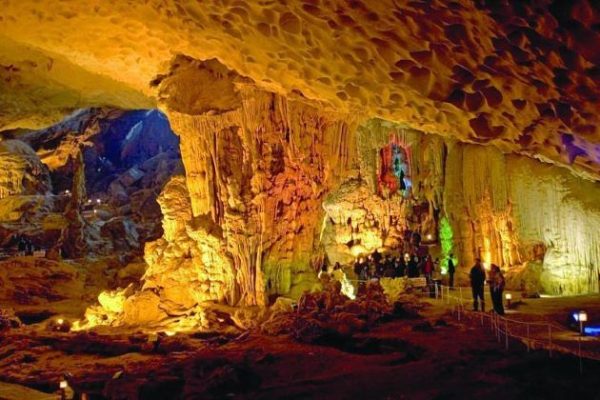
x=258 y=165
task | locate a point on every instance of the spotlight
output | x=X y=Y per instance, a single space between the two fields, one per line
x=60 y=321
x=429 y=236
x=98 y=201
x=579 y=317
x=89 y=201
x=508 y=298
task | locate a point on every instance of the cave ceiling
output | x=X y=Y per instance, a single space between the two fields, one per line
x=522 y=76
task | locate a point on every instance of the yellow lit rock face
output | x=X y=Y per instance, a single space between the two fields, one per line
x=516 y=75
x=188 y=265
x=257 y=166
x=21 y=171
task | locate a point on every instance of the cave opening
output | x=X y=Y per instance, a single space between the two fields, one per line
x=83 y=204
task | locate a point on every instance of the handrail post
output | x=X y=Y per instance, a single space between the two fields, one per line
x=550 y=340
x=580 y=360
x=506 y=333
x=497 y=327
x=528 y=344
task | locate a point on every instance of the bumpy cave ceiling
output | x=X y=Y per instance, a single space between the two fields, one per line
x=522 y=75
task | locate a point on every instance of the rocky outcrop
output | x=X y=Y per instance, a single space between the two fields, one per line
x=22 y=171
x=189 y=264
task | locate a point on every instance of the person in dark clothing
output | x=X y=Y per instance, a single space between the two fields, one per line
x=413 y=267
x=377 y=260
x=399 y=267
x=497 y=282
x=451 y=270
x=358 y=266
x=21 y=245
x=389 y=271
x=477 y=277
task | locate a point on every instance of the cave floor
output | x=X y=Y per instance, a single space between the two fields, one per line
x=430 y=357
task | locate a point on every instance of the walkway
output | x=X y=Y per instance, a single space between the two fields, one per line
x=11 y=391
x=537 y=323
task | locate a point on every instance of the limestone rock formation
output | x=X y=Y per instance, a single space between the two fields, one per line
x=189 y=264
x=22 y=171
x=258 y=167
x=73 y=240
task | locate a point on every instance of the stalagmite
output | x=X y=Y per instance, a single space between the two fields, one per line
x=72 y=238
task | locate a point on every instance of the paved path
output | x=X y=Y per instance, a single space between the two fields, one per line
x=11 y=391
x=539 y=323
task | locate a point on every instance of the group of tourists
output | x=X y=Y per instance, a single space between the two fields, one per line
x=496 y=282
x=19 y=245
x=377 y=265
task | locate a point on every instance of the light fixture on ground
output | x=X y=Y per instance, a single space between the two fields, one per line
x=508 y=297
x=63 y=386
x=582 y=317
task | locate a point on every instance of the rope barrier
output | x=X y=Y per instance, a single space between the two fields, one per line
x=502 y=328
x=530 y=328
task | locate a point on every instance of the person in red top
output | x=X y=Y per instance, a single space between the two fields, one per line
x=428 y=268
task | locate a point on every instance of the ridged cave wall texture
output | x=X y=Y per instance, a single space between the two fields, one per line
x=258 y=166
x=301 y=122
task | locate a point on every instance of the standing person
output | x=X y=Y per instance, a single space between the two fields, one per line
x=428 y=269
x=497 y=283
x=413 y=267
x=477 y=277
x=400 y=267
x=451 y=270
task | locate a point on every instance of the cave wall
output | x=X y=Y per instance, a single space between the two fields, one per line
x=537 y=220
x=363 y=214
